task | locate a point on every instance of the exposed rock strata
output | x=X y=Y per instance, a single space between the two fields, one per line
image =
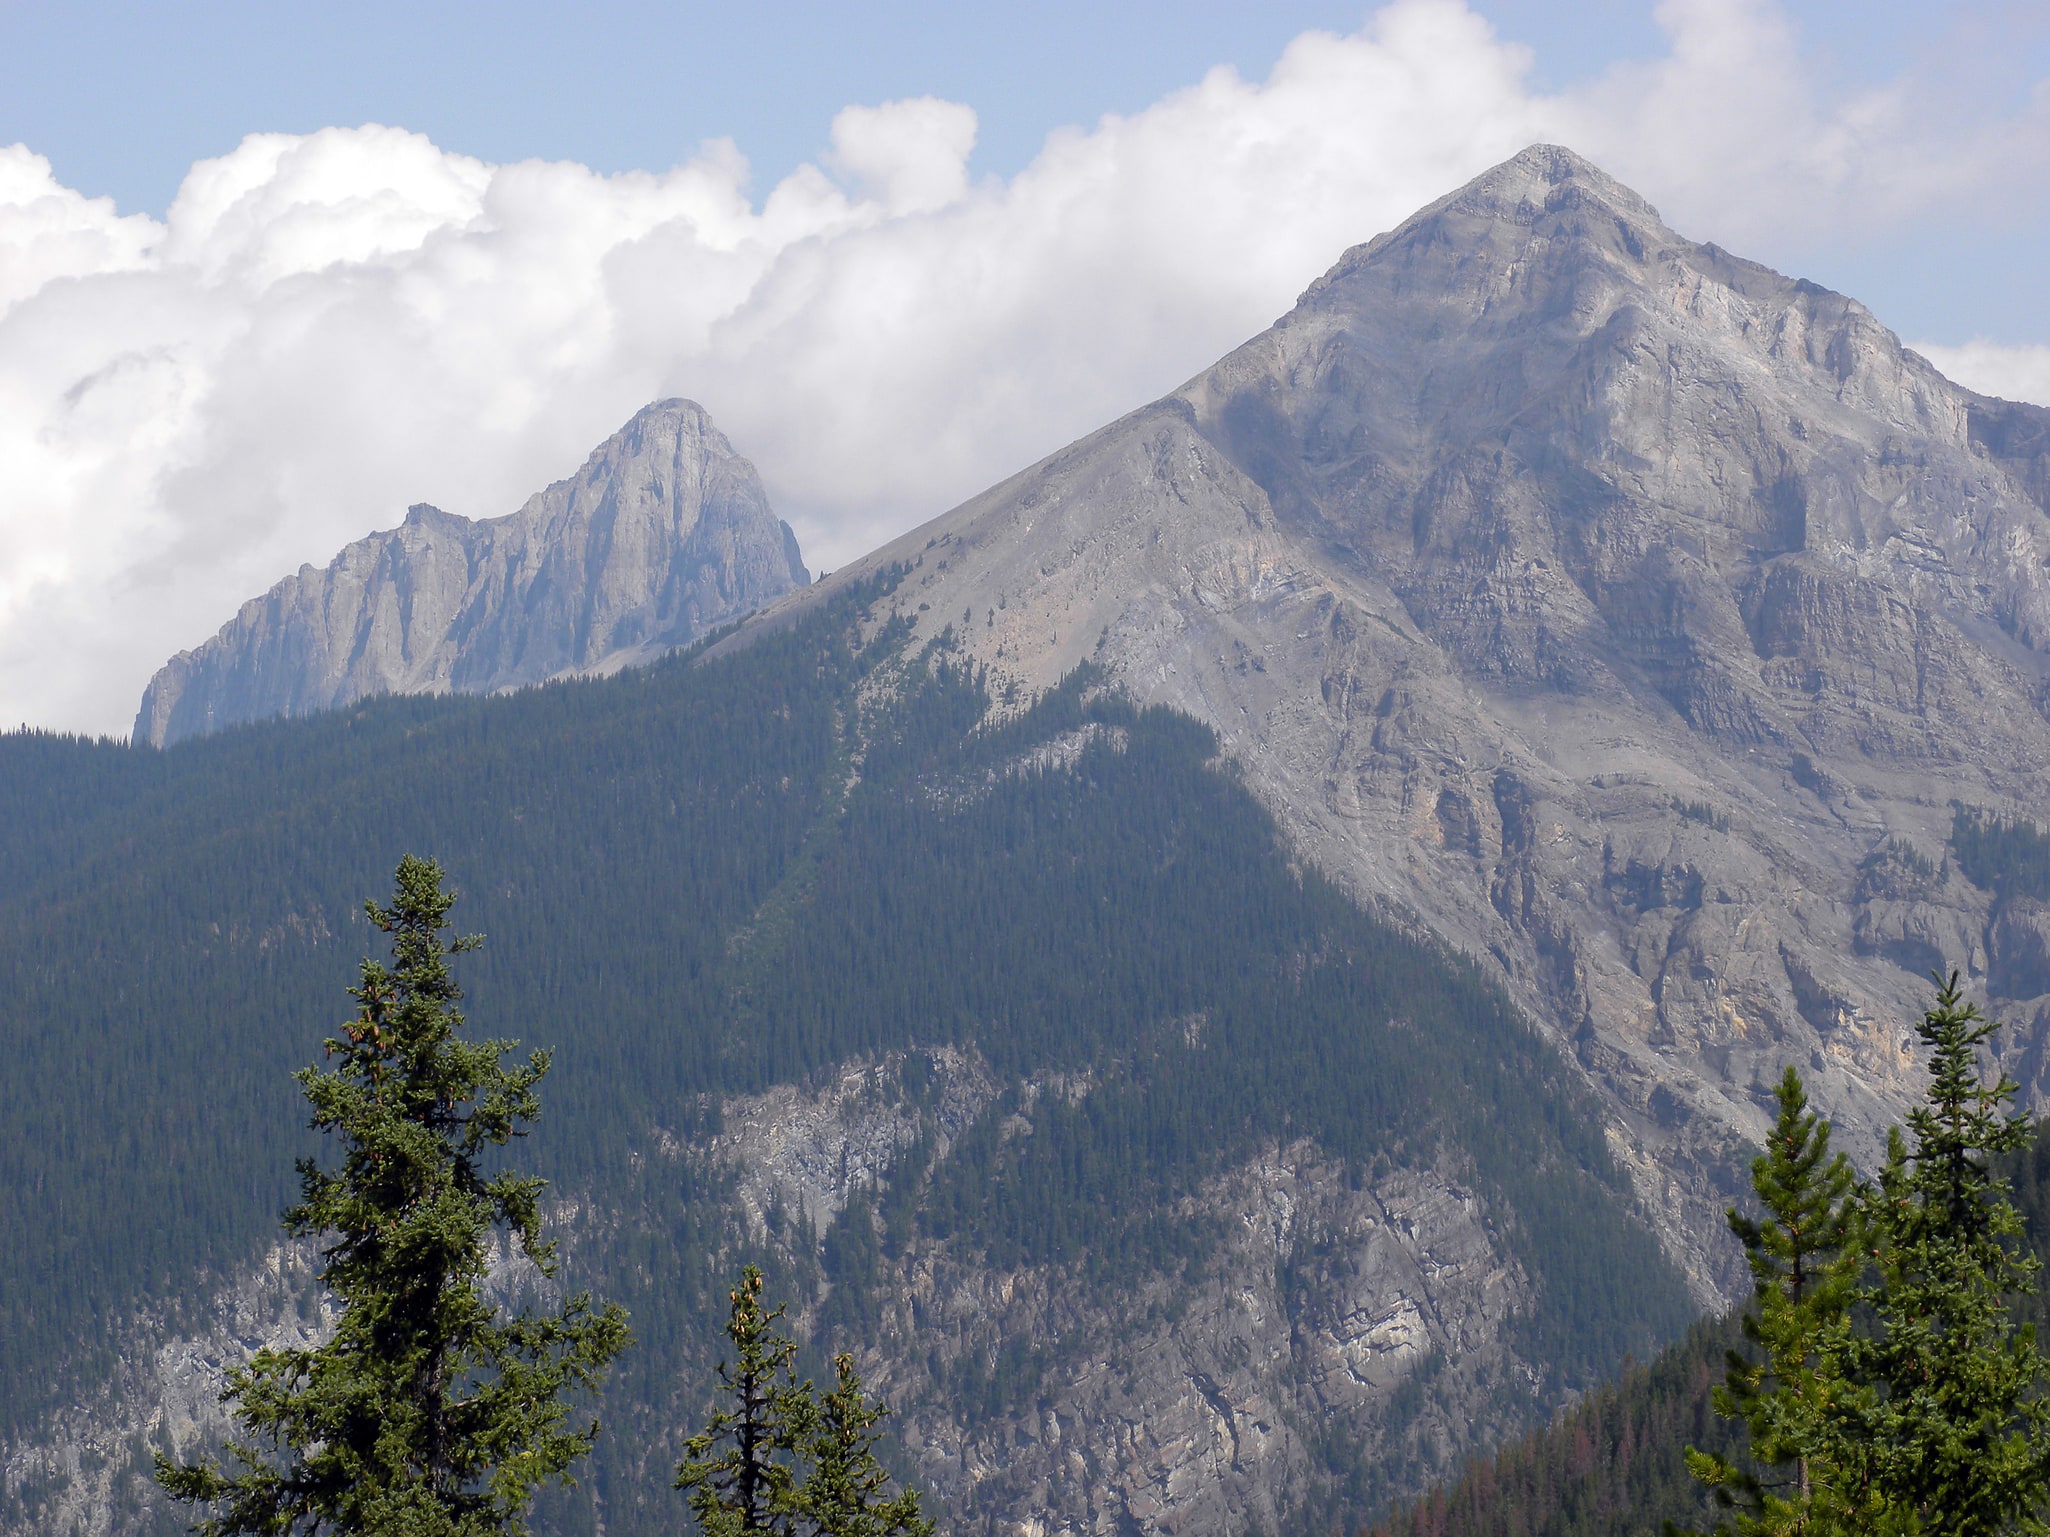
x=1609 y=603
x=664 y=534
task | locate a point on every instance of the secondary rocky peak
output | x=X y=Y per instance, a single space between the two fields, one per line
x=664 y=533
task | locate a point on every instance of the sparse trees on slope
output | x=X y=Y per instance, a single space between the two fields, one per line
x=428 y=1414
x=740 y=1473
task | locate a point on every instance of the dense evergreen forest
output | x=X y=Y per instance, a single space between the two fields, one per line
x=712 y=875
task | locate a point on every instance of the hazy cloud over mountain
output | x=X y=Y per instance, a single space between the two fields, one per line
x=326 y=328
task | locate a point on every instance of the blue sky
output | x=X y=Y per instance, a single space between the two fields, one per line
x=123 y=97
x=939 y=261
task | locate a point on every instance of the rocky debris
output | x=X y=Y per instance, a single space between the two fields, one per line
x=88 y=1473
x=1605 y=603
x=665 y=533
x=803 y=1153
x=1331 y=1331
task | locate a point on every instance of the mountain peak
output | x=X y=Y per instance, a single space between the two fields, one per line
x=1538 y=176
x=1604 y=599
x=662 y=534
x=1545 y=195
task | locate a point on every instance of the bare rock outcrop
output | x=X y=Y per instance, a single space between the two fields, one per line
x=665 y=533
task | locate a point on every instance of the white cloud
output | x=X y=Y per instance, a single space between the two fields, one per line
x=1992 y=368
x=325 y=328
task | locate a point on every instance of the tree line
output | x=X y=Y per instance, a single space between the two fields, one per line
x=692 y=893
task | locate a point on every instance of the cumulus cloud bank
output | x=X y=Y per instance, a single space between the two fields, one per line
x=327 y=327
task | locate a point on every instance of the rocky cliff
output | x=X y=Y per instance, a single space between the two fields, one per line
x=663 y=534
x=1630 y=614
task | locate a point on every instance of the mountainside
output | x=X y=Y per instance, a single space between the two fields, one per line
x=665 y=533
x=1626 y=612
x=1157 y=1186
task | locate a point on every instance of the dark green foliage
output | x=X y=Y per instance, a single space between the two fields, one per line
x=1707 y=815
x=738 y=1473
x=846 y=1492
x=2001 y=854
x=1570 y=1481
x=1956 y=1431
x=2026 y=1174
x=701 y=879
x=1898 y=857
x=429 y=1413
x=1805 y=1258
x=778 y=1459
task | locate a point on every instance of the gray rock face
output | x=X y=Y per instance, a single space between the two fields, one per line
x=1211 y=1405
x=663 y=534
x=1626 y=612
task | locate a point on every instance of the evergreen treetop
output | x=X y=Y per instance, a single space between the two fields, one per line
x=740 y=1473
x=428 y=1413
x=1804 y=1262
x=1954 y=1436
x=736 y=1472
x=846 y=1494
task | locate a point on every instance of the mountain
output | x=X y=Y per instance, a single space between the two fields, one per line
x=1156 y=1185
x=665 y=533
x=1625 y=614
x=1208 y=965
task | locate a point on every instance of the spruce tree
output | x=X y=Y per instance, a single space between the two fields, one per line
x=737 y=1472
x=428 y=1413
x=1956 y=1436
x=1804 y=1262
x=741 y=1472
x=845 y=1493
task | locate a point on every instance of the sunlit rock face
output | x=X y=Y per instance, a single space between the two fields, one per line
x=663 y=534
x=1628 y=613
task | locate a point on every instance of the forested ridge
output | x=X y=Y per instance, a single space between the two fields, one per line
x=705 y=877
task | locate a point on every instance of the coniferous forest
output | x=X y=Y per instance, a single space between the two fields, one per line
x=740 y=867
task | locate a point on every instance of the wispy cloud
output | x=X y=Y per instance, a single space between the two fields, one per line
x=325 y=328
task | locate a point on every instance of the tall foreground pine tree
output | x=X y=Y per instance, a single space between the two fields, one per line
x=428 y=1414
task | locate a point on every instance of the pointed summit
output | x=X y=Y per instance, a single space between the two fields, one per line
x=1600 y=597
x=1544 y=176
x=663 y=534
